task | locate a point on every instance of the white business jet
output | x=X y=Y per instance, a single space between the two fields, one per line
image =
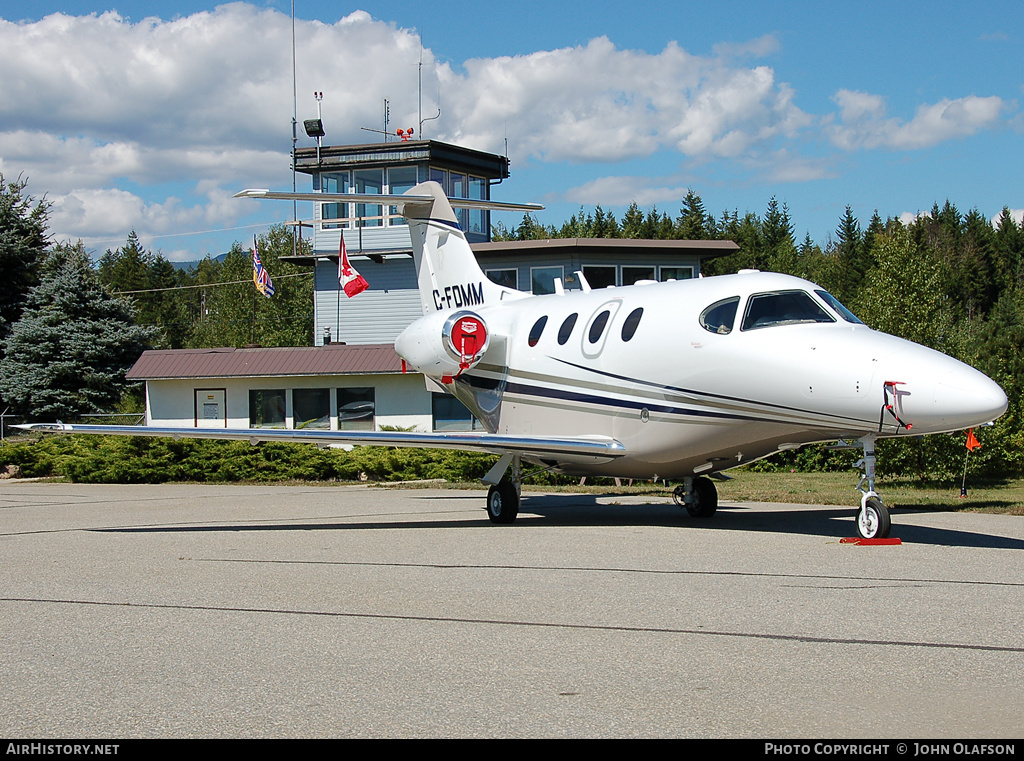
x=677 y=380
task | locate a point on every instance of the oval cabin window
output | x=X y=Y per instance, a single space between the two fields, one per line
x=566 y=330
x=597 y=326
x=630 y=324
x=537 y=329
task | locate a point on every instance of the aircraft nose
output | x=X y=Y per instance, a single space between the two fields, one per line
x=964 y=398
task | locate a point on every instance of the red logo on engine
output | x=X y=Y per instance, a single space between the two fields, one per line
x=469 y=335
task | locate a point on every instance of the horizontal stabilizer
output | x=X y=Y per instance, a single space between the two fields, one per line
x=386 y=198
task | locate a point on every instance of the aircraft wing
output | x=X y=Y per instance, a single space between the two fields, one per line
x=576 y=447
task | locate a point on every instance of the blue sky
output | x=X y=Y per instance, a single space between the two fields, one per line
x=150 y=115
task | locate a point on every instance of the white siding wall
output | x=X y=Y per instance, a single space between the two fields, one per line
x=376 y=315
x=401 y=399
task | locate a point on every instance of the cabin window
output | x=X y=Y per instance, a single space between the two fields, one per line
x=783 y=308
x=506 y=278
x=537 y=329
x=356 y=408
x=720 y=316
x=312 y=407
x=597 y=326
x=833 y=302
x=267 y=408
x=630 y=324
x=566 y=330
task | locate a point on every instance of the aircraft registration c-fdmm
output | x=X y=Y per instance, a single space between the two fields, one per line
x=676 y=380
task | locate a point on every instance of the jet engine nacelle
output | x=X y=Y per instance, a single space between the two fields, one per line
x=444 y=345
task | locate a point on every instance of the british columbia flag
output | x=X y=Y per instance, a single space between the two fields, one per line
x=259 y=275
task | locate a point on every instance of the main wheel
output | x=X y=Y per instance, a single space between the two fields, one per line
x=502 y=503
x=705 y=500
x=873 y=520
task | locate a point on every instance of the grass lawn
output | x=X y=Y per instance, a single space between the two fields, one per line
x=1003 y=496
x=1006 y=496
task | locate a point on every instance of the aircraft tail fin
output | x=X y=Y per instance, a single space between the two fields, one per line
x=447 y=271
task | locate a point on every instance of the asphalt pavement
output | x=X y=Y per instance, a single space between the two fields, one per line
x=313 y=611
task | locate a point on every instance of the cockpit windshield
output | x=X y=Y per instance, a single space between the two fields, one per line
x=782 y=308
x=833 y=302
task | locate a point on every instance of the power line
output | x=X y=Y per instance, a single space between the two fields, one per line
x=204 y=285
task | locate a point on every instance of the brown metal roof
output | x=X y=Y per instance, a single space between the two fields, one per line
x=333 y=359
x=374 y=155
x=704 y=249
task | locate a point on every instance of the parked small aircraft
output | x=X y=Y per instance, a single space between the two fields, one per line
x=673 y=380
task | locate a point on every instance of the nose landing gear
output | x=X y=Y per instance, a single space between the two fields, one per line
x=873 y=520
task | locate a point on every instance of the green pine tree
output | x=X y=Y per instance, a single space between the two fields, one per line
x=68 y=353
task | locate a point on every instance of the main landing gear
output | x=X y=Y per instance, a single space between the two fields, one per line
x=503 y=496
x=873 y=520
x=698 y=496
x=503 y=502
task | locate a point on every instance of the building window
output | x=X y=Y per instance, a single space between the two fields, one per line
x=599 y=276
x=334 y=182
x=356 y=409
x=267 y=408
x=675 y=273
x=459 y=190
x=311 y=408
x=631 y=275
x=543 y=279
x=506 y=278
x=451 y=415
x=479 y=221
x=368 y=181
x=400 y=179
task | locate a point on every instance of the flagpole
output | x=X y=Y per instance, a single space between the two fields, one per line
x=963 y=484
x=338 y=323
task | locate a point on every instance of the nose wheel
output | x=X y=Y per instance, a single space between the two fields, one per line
x=873 y=520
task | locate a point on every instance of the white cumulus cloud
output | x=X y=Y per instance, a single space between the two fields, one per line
x=863 y=122
x=155 y=123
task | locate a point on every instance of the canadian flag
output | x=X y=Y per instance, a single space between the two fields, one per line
x=350 y=281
